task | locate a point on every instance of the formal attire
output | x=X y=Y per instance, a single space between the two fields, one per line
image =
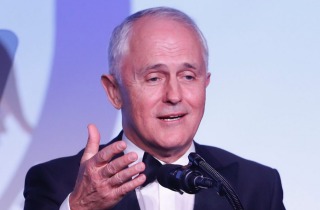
x=259 y=187
x=151 y=195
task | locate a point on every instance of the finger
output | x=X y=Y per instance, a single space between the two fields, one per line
x=129 y=186
x=118 y=164
x=93 y=143
x=106 y=154
x=124 y=175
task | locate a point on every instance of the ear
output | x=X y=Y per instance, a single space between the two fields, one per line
x=208 y=76
x=111 y=87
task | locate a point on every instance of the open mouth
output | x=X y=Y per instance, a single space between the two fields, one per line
x=171 y=117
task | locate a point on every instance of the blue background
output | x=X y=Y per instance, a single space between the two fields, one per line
x=263 y=101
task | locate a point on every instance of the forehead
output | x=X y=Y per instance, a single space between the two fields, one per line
x=152 y=25
x=153 y=32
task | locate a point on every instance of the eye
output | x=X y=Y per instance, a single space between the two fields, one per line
x=189 y=77
x=154 y=78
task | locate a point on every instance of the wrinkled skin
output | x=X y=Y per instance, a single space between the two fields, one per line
x=101 y=184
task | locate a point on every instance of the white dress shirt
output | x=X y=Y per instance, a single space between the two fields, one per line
x=153 y=196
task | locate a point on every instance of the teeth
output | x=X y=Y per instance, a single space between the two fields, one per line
x=168 y=119
x=171 y=118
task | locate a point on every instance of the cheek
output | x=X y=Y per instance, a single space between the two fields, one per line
x=142 y=100
x=196 y=97
x=149 y=95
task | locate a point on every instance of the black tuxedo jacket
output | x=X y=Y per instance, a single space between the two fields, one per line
x=258 y=187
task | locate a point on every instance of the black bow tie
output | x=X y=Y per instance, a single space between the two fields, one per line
x=152 y=166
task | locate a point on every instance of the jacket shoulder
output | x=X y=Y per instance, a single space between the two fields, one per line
x=259 y=186
x=49 y=183
x=221 y=158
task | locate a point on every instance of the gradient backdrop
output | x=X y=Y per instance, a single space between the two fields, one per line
x=262 y=104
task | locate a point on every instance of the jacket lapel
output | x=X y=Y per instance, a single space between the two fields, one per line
x=129 y=201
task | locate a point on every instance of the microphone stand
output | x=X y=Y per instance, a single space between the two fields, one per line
x=223 y=187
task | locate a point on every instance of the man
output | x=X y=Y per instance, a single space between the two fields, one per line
x=158 y=63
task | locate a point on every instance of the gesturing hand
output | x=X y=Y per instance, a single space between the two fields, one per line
x=102 y=183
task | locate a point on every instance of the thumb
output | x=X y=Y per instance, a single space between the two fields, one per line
x=93 y=143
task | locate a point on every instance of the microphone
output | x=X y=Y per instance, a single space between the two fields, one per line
x=183 y=178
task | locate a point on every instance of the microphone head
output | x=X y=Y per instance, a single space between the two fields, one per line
x=166 y=176
x=178 y=178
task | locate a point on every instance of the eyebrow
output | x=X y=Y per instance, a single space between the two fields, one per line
x=188 y=65
x=157 y=66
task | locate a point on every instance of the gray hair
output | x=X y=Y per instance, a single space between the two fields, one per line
x=119 y=41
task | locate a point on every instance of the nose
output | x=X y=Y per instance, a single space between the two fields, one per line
x=173 y=92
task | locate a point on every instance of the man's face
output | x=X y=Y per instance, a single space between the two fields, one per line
x=163 y=86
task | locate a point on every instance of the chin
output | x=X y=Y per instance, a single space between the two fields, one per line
x=173 y=143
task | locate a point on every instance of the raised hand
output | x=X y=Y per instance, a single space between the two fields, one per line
x=102 y=183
